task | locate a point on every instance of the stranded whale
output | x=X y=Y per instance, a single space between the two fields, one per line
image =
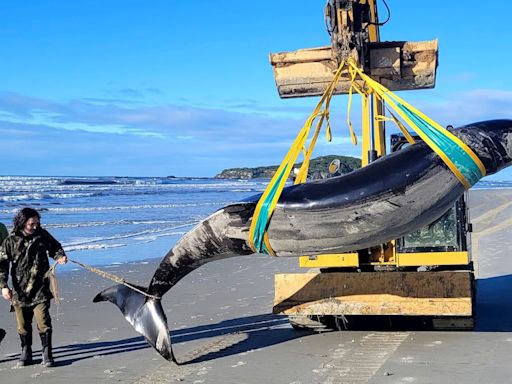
x=395 y=195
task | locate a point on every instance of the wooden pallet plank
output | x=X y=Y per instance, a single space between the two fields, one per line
x=375 y=293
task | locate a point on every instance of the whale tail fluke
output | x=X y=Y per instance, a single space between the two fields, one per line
x=145 y=314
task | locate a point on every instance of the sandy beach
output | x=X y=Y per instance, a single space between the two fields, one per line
x=223 y=330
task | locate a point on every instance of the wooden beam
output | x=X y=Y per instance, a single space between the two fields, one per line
x=444 y=293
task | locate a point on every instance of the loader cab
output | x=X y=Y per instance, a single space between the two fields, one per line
x=447 y=234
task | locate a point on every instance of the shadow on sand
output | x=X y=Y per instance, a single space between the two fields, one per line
x=493 y=314
x=258 y=331
x=494 y=304
x=68 y=354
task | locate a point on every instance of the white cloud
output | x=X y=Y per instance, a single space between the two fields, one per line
x=467 y=107
x=106 y=137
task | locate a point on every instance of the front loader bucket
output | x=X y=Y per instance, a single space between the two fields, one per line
x=398 y=65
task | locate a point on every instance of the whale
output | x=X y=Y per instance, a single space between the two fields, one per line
x=389 y=198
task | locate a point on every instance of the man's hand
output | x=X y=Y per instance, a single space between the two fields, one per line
x=62 y=260
x=7 y=294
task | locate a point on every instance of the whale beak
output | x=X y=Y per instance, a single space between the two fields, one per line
x=146 y=315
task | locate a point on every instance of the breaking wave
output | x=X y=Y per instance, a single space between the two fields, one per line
x=121 y=219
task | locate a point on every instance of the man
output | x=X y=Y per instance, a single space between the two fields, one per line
x=26 y=252
x=3 y=234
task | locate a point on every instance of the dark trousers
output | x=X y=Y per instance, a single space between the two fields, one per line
x=24 y=316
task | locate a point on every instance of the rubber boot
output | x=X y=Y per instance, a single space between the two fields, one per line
x=46 y=342
x=26 y=350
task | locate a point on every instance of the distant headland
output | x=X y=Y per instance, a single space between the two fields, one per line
x=318 y=166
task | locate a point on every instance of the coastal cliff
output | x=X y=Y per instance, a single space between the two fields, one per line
x=318 y=166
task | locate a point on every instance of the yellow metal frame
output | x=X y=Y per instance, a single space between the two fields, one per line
x=379 y=144
x=330 y=260
x=432 y=258
x=371 y=120
x=373 y=29
x=415 y=259
x=411 y=293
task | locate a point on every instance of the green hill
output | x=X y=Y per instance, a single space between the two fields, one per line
x=317 y=166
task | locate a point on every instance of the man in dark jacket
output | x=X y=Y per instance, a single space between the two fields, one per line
x=26 y=251
x=3 y=235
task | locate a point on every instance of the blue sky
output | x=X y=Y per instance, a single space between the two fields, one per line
x=176 y=87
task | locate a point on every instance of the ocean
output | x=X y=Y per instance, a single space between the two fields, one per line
x=112 y=220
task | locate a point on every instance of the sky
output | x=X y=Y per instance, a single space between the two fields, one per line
x=185 y=88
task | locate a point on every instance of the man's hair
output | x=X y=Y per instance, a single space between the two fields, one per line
x=22 y=217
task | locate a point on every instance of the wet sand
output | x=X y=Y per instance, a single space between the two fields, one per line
x=223 y=331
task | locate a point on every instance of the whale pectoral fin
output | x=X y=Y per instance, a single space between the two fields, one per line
x=146 y=315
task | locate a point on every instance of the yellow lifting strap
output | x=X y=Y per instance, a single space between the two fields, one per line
x=461 y=160
x=264 y=209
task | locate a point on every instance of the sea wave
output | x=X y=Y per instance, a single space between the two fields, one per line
x=40 y=189
x=89 y=181
x=122 y=207
x=88 y=247
x=90 y=215
x=136 y=235
x=42 y=196
x=116 y=222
